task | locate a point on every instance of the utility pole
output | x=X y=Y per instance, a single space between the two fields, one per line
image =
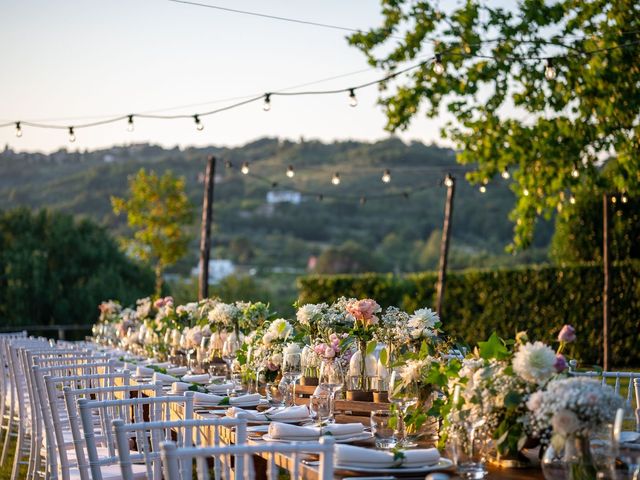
x=205 y=229
x=606 y=293
x=450 y=183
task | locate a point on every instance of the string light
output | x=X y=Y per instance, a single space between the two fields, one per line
x=438 y=67
x=575 y=173
x=72 y=135
x=266 y=106
x=505 y=173
x=245 y=168
x=624 y=198
x=386 y=176
x=483 y=187
x=290 y=172
x=525 y=192
x=550 y=71
x=572 y=200
x=18 y=130
x=613 y=199
x=353 y=101
x=130 y=126
x=336 y=179
x=199 y=124
x=448 y=181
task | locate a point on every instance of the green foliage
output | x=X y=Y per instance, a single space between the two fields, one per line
x=479 y=302
x=54 y=270
x=157 y=210
x=584 y=116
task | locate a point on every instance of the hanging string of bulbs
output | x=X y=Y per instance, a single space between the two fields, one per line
x=438 y=67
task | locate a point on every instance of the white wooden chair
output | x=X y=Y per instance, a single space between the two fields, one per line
x=100 y=420
x=7 y=404
x=187 y=433
x=132 y=410
x=172 y=456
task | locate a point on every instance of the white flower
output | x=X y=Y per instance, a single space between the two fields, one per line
x=565 y=422
x=268 y=338
x=309 y=313
x=143 y=307
x=223 y=315
x=534 y=362
x=291 y=348
x=535 y=400
x=280 y=328
x=422 y=323
x=412 y=370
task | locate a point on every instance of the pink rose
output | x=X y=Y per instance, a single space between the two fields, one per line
x=560 y=364
x=319 y=349
x=567 y=334
x=329 y=352
x=363 y=311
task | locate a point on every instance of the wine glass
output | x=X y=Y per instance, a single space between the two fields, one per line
x=229 y=351
x=403 y=394
x=331 y=379
x=291 y=373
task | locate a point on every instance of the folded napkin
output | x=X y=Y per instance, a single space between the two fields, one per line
x=339 y=431
x=179 y=387
x=177 y=370
x=350 y=455
x=144 y=371
x=209 y=399
x=222 y=388
x=130 y=366
x=163 y=378
x=190 y=378
x=299 y=412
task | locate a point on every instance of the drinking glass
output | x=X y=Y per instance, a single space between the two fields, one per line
x=319 y=408
x=468 y=450
x=275 y=394
x=331 y=379
x=383 y=423
x=229 y=351
x=403 y=395
x=292 y=366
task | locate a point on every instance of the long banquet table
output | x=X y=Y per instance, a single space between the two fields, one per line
x=310 y=472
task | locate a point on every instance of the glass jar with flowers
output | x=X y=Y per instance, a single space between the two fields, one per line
x=363 y=364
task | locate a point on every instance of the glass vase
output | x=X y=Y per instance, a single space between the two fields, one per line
x=573 y=461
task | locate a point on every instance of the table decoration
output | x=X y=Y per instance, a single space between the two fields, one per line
x=363 y=364
x=295 y=414
x=339 y=432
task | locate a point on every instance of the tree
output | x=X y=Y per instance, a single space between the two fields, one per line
x=54 y=270
x=546 y=92
x=157 y=211
x=350 y=257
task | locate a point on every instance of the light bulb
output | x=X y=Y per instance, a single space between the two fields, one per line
x=130 y=126
x=353 y=101
x=550 y=70
x=290 y=172
x=505 y=174
x=572 y=200
x=525 y=192
x=336 y=179
x=18 y=130
x=438 y=67
x=245 y=168
x=386 y=176
x=575 y=173
x=267 y=102
x=483 y=189
x=614 y=199
x=199 y=124
x=72 y=135
x=559 y=206
x=448 y=181
x=624 y=198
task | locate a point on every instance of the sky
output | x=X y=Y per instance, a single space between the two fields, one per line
x=71 y=61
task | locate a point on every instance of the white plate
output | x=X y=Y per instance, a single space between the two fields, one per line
x=629 y=437
x=442 y=464
x=355 y=438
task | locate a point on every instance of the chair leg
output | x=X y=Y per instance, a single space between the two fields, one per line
x=7 y=439
x=18 y=455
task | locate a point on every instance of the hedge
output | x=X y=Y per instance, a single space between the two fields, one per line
x=536 y=299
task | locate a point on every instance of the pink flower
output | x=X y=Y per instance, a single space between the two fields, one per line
x=560 y=364
x=319 y=349
x=567 y=334
x=364 y=311
x=161 y=302
x=329 y=352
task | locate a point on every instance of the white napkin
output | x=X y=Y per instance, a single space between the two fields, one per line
x=299 y=412
x=144 y=372
x=339 y=431
x=203 y=378
x=130 y=366
x=179 y=387
x=350 y=455
x=222 y=388
x=164 y=378
x=178 y=371
x=209 y=399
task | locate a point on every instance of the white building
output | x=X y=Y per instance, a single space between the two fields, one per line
x=218 y=270
x=284 y=196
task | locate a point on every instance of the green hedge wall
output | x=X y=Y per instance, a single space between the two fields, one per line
x=539 y=300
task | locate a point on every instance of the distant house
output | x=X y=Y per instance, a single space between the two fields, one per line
x=284 y=196
x=218 y=270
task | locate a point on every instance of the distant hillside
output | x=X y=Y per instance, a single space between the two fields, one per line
x=394 y=232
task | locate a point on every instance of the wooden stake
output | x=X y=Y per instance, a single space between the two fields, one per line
x=205 y=230
x=606 y=293
x=450 y=182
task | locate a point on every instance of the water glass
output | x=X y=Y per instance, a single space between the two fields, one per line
x=320 y=408
x=275 y=394
x=383 y=427
x=468 y=454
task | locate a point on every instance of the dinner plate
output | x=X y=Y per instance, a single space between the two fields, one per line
x=356 y=438
x=241 y=405
x=441 y=465
x=629 y=437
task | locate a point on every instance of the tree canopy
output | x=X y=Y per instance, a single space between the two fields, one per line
x=54 y=270
x=547 y=92
x=157 y=210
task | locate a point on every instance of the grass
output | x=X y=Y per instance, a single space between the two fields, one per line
x=5 y=470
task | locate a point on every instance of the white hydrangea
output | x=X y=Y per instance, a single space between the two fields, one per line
x=310 y=313
x=534 y=362
x=223 y=315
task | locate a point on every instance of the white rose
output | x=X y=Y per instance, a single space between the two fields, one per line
x=565 y=422
x=534 y=362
